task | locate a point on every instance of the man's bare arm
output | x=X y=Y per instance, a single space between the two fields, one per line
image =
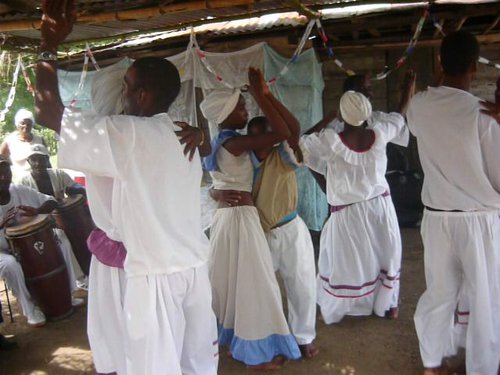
x=57 y=22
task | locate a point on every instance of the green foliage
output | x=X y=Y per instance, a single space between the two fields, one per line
x=23 y=99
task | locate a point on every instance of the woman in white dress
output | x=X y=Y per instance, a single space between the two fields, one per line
x=17 y=145
x=360 y=248
x=246 y=295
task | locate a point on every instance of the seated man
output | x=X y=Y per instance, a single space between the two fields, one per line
x=54 y=182
x=17 y=199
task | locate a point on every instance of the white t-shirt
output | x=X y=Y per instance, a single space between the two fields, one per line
x=458 y=148
x=20 y=150
x=20 y=196
x=155 y=199
x=351 y=176
x=59 y=179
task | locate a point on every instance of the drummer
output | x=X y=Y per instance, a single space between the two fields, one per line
x=18 y=200
x=54 y=182
x=58 y=184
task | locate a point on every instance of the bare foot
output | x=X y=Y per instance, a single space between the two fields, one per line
x=392 y=313
x=308 y=351
x=275 y=364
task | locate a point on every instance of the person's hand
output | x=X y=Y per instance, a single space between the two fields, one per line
x=491 y=109
x=9 y=215
x=27 y=211
x=58 y=19
x=189 y=136
x=409 y=83
x=257 y=83
x=229 y=197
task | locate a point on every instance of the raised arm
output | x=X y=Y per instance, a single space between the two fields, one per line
x=280 y=131
x=57 y=22
x=323 y=123
x=407 y=91
x=289 y=119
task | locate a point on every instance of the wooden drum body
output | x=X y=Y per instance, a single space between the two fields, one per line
x=74 y=218
x=34 y=245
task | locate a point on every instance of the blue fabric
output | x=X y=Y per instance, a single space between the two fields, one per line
x=69 y=81
x=210 y=161
x=301 y=90
x=285 y=155
x=288 y=218
x=256 y=352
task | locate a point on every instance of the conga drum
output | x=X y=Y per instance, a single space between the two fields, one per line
x=74 y=218
x=33 y=243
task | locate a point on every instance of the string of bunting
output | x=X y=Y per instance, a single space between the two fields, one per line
x=89 y=56
x=12 y=91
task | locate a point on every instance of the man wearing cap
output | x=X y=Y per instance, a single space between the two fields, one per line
x=21 y=200
x=360 y=247
x=54 y=182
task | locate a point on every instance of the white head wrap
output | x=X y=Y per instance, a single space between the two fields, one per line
x=36 y=149
x=23 y=114
x=106 y=91
x=219 y=104
x=355 y=108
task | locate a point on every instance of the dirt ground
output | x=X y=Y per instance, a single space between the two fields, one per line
x=361 y=346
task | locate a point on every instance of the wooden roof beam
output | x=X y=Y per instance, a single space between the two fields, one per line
x=133 y=14
x=493 y=25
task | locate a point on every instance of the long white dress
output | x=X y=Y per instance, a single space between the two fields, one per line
x=246 y=295
x=360 y=247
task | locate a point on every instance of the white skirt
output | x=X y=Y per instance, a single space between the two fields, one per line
x=246 y=295
x=359 y=261
x=105 y=317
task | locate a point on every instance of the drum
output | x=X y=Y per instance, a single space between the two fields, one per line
x=33 y=243
x=73 y=216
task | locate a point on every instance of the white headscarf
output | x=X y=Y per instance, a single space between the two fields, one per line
x=23 y=114
x=219 y=104
x=355 y=108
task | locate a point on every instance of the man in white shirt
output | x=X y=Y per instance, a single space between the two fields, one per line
x=14 y=200
x=170 y=325
x=458 y=148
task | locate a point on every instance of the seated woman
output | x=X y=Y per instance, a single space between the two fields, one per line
x=16 y=145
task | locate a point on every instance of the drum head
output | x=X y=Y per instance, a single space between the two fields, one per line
x=70 y=202
x=27 y=224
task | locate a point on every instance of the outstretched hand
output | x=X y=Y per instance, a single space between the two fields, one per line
x=58 y=19
x=258 y=85
x=189 y=136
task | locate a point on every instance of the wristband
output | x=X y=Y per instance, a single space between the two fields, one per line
x=47 y=56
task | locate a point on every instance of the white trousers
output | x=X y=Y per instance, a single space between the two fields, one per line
x=105 y=318
x=171 y=327
x=461 y=250
x=292 y=252
x=11 y=271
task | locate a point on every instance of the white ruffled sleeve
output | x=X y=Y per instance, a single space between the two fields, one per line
x=392 y=125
